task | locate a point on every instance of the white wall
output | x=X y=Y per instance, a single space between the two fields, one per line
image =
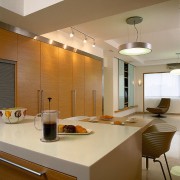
x=175 y=103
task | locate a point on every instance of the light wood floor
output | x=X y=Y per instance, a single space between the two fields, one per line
x=173 y=156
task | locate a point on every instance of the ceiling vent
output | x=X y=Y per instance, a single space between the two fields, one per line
x=173 y=66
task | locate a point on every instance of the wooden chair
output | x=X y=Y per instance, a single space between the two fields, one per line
x=162 y=108
x=156 y=141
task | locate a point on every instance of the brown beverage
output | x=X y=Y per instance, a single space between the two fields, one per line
x=49 y=131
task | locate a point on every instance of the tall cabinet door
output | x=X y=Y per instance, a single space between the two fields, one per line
x=78 y=85
x=8 y=45
x=49 y=76
x=65 y=83
x=28 y=74
x=93 y=87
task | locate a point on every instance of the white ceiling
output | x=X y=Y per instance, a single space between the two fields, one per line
x=105 y=20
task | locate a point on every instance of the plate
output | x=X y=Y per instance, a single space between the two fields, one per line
x=89 y=131
x=132 y=120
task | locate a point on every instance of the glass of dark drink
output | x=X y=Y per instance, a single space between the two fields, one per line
x=49 y=125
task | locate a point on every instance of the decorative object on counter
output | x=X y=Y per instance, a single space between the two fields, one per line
x=135 y=48
x=118 y=123
x=13 y=115
x=106 y=117
x=48 y=125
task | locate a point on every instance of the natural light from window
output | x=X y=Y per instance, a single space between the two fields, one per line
x=161 y=85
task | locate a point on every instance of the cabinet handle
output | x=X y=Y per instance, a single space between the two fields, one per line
x=22 y=167
x=42 y=101
x=38 y=100
x=73 y=103
x=94 y=102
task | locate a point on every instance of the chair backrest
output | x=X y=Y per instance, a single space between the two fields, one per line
x=164 y=103
x=156 y=140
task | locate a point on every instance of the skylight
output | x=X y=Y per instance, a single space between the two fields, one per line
x=26 y=7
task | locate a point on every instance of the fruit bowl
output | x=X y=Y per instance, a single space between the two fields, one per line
x=13 y=115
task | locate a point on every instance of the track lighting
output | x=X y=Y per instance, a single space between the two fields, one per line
x=86 y=37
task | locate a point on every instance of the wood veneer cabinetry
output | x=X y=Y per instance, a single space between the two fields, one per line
x=10 y=171
x=71 y=84
x=93 y=87
x=65 y=83
x=49 y=76
x=8 y=45
x=28 y=74
x=78 y=85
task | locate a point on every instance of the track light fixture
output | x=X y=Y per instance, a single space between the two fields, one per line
x=86 y=37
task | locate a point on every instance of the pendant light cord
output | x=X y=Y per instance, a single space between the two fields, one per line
x=136 y=31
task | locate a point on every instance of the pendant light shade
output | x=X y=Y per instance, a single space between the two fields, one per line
x=175 y=72
x=135 y=48
x=176 y=68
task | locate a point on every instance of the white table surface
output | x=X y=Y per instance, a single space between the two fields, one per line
x=72 y=154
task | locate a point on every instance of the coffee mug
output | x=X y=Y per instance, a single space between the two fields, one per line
x=48 y=125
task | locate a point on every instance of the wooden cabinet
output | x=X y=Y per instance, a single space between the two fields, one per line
x=71 y=80
x=93 y=87
x=49 y=76
x=65 y=83
x=11 y=171
x=8 y=45
x=78 y=85
x=28 y=74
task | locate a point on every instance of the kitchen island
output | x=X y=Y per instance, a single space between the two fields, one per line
x=109 y=152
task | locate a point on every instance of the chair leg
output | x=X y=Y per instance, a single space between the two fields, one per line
x=147 y=163
x=167 y=166
x=161 y=167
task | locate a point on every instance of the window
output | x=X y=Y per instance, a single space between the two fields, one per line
x=161 y=85
x=7 y=84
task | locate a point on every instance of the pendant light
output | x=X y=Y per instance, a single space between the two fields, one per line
x=135 y=48
x=177 y=70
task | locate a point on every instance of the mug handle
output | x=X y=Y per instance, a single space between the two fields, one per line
x=35 y=121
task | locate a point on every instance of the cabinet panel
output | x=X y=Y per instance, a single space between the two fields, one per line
x=8 y=171
x=8 y=45
x=28 y=74
x=49 y=76
x=78 y=83
x=65 y=82
x=93 y=87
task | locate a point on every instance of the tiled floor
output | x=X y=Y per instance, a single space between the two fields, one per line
x=173 y=155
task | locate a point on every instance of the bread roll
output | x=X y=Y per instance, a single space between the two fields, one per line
x=80 y=129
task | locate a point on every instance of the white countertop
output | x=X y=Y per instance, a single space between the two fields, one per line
x=72 y=154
